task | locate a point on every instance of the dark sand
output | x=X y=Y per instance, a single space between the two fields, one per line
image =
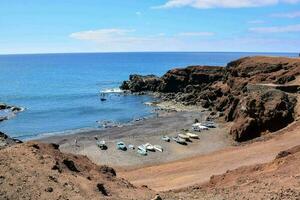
x=150 y=130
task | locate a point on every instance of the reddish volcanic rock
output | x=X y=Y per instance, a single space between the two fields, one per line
x=239 y=86
x=40 y=171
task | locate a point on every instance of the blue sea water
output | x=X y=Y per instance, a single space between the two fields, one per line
x=61 y=91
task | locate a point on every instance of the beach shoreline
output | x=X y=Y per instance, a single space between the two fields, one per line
x=171 y=119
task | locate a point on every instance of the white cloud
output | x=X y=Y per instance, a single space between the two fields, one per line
x=276 y=29
x=138 y=13
x=196 y=34
x=256 y=22
x=102 y=35
x=204 y=4
x=287 y=15
x=124 y=40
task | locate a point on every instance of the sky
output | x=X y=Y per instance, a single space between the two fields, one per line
x=56 y=26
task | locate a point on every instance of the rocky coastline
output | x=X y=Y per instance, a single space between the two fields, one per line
x=5 y=140
x=12 y=109
x=256 y=93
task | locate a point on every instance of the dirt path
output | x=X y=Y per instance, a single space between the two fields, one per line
x=199 y=169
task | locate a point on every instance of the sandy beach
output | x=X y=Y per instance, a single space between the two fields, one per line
x=167 y=122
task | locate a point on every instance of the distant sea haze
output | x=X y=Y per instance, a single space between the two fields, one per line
x=61 y=92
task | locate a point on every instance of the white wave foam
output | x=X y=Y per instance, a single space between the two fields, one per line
x=112 y=90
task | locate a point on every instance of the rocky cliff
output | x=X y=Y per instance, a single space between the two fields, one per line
x=253 y=92
x=40 y=171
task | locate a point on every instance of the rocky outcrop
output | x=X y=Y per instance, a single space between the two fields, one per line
x=269 y=110
x=239 y=91
x=6 y=141
x=12 y=109
x=40 y=171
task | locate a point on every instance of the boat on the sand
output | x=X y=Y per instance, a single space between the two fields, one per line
x=121 y=146
x=131 y=146
x=209 y=124
x=158 y=148
x=101 y=144
x=192 y=135
x=142 y=150
x=166 y=138
x=179 y=140
x=199 y=127
x=183 y=136
x=149 y=147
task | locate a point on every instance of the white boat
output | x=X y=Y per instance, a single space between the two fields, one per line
x=149 y=147
x=141 y=150
x=179 y=140
x=209 y=124
x=192 y=135
x=183 y=136
x=199 y=127
x=166 y=138
x=121 y=146
x=131 y=146
x=158 y=148
x=101 y=145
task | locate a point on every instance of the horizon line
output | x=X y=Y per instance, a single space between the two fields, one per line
x=111 y=52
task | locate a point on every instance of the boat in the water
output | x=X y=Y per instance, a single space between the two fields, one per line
x=183 y=136
x=121 y=146
x=158 y=148
x=142 y=150
x=179 y=140
x=166 y=138
x=101 y=144
x=192 y=135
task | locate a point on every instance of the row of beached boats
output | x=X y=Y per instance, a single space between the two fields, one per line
x=181 y=138
x=203 y=126
x=142 y=149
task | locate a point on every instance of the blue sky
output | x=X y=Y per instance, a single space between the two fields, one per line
x=44 y=26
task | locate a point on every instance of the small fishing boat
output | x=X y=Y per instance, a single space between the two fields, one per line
x=158 y=148
x=209 y=124
x=179 y=140
x=192 y=135
x=166 y=138
x=199 y=127
x=149 y=147
x=142 y=150
x=101 y=144
x=183 y=136
x=121 y=146
x=131 y=146
x=143 y=153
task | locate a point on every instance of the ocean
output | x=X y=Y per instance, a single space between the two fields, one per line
x=61 y=92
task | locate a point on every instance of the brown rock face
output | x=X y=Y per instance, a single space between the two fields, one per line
x=238 y=91
x=139 y=83
x=41 y=172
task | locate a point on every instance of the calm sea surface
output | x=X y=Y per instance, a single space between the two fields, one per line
x=61 y=91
